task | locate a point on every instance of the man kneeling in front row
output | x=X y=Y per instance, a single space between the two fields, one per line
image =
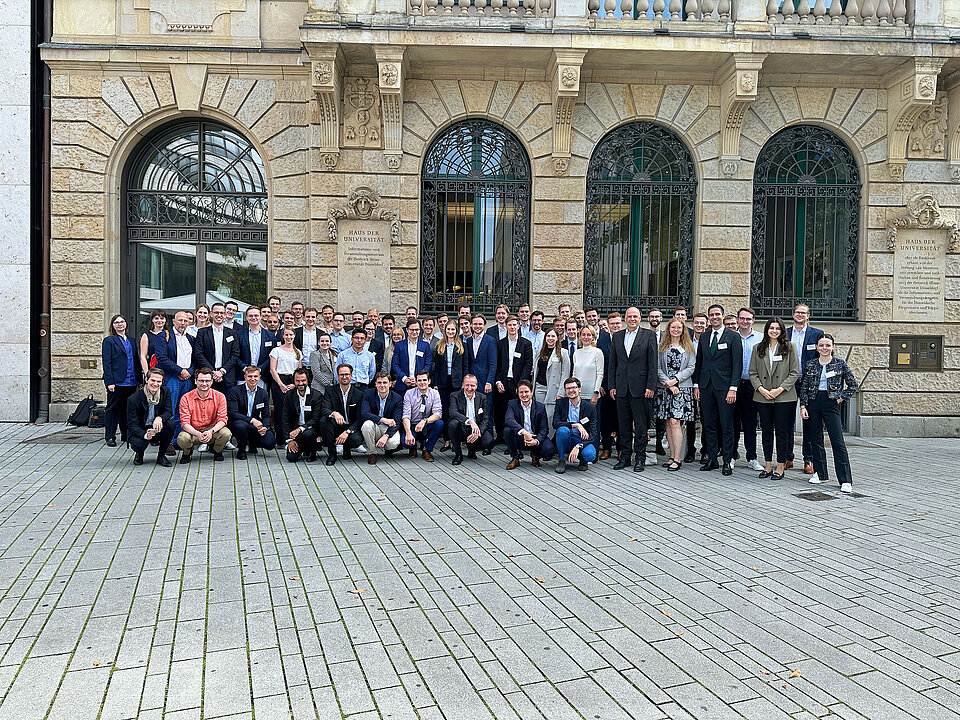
x=578 y=432
x=382 y=413
x=248 y=414
x=422 y=410
x=150 y=417
x=526 y=427
x=469 y=421
x=203 y=418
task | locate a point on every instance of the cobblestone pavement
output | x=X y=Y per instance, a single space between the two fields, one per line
x=265 y=590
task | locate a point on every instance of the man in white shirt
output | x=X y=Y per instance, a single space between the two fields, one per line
x=534 y=333
x=176 y=361
x=745 y=409
x=499 y=331
x=305 y=338
x=523 y=314
x=297 y=308
x=469 y=421
x=804 y=339
x=339 y=340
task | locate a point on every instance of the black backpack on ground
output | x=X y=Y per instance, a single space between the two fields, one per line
x=81 y=416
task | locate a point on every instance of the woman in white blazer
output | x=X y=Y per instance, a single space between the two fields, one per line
x=550 y=368
x=587 y=362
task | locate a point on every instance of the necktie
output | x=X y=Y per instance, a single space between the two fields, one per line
x=714 y=341
x=423 y=405
x=250 y=404
x=383 y=402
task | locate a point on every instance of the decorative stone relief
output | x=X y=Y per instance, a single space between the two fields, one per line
x=953 y=132
x=361 y=113
x=895 y=170
x=738 y=79
x=955 y=173
x=564 y=74
x=362 y=204
x=927 y=137
x=327 y=72
x=239 y=18
x=923 y=213
x=390 y=75
x=910 y=94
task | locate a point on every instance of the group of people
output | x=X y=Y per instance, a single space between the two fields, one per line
x=303 y=379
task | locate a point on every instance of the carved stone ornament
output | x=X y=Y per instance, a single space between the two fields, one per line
x=923 y=213
x=389 y=75
x=895 y=170
x=561 y=165
x=747 y=82
x=729 y=168
x=393 y=162
x=188 y=28
x=927 y=86
x=362 y=204
x=927 y=138
x=568 y=77
x=329 y=160
x=361 y=113
x=322 y=73
x=955 y=173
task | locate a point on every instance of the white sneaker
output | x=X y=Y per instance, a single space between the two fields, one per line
x=202 y=448
x=650 y=460
x=754 y=465
x=733 y=463
x=846 y=488
x=339 y=449
x=230 y=446
x=362 y=449
x=814 y=479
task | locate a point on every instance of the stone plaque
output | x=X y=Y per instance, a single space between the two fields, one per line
x=919 y=267
x=363 y=262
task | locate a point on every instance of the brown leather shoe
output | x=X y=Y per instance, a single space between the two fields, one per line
x=605 y=455
x=513 y=464
x=413 y=451
x=372 y=459
x=788 y=464
x=808 y=468
x=535 y=462
x=427 y=456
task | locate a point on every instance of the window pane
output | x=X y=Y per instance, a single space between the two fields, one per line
x=236 y=272
x=166 y=279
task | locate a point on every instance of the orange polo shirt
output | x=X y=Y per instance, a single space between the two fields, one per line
x=203 y=414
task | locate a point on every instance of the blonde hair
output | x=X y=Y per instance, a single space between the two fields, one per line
x=685 y=342
x=457 y=342
x=593 y=334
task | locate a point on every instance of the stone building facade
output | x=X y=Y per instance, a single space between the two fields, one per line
x=344 y=101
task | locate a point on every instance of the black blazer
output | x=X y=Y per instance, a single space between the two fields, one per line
x=114 y=360
x=392 y=408
x=720 y=370
x=460 y=367
x=522 y=366
x=205 y=354
x=333 y=402
x=458 y=409
x=268 y=341
x=538 y=419
x=633 y=376
x=378 y=349
x=137 y=411
x=237 y=405
x=605 y=343
x=810 y=337
x=588 y=418
x=290 y=417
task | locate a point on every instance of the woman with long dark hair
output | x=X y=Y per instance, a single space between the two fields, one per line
x=550 y=368
x=774 y=369
x=121 y=375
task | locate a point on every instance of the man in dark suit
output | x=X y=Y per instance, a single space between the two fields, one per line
x=482 y=352
x=469 y=421
x=340 y=418
x=149 y=418
x=248 y=414
x=299 y=418
x=527 y=428
x=804 y=339
x=607 y=406
x=577 y=428
x=715 y=382
x=175 y=358
x=499 y=331
x=411 y=357
x=514 y=363
x=633 y=379
x=216 y=347
x=374 y=344
x=570 y=342
x=255 y=343
x=381 y=413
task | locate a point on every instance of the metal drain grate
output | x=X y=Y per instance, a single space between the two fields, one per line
x=73 y=436
x=815 y=496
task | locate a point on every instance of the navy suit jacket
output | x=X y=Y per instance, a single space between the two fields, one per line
x=494 y=332
x=114 y=360
x=401 y=361
x=392 y=408
x=268 y=341
x=205 y=354
x=167 y=356
x=811 y=337
x=588 y=418
x=460 y=366
x=237 y=405
x=538 y=419
x=721 y=369
x=484 y=364
x=605 y=343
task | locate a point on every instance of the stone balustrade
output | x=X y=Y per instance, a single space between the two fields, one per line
x=856 y=12
x=689 y=11
x=482 y=8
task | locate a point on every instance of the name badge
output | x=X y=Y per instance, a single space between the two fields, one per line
x=352 y=405
x=831 y=373
x=776 y=358
x=268 y=343
x=479 y=411
x=811 y=347
x=419 y=353
x=583 y=420
x=229 y=338
x=517 y=355
x=722 y=346
x=258 y=406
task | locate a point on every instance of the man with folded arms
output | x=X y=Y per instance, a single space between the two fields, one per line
x=203 y=418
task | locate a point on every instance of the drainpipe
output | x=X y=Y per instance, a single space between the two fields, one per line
x=43 y=20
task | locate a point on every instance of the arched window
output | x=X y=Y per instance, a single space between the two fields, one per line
x=806 y=225
x=475 y=240
x=638 y=248
x=195 y=225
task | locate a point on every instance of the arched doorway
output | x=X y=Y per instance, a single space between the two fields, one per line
x=475 y=236
x=195 y=221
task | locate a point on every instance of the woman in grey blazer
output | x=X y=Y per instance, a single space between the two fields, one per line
x=774 y=369
x=674 y=398
x=551 y=368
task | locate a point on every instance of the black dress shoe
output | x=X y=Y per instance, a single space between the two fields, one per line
x=347 y=455
x=689 y=458
x=311 y=457
x=638 y=466
x=485 y=452
x=111 y=442
x=241 y=455
x=457 y=460
x=727 y=470
x=710 y=465
x=332 y=460
x=582 y=467
x=171 y=452
x=473 y=455
x=138 y=459
x=623 y=462
x=217 y=456
x=185 y=458
x=252 y=451
x=163 y=462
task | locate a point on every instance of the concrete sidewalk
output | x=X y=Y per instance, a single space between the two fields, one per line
x=261 y=589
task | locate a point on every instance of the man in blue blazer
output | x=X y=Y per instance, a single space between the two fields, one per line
x=255 y=343
x=578 y=430
x=804 y=339
x=248 y=414
x=482 y=353
x=381 y=413
x=411 y=357
x=526 y=427
x=175 y=358
x=716 y=379
x=216 y=347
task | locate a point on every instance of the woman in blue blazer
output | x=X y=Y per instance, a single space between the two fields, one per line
x=121 y=376
x=449 y=366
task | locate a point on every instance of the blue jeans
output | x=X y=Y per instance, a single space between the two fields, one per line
x=565 y=443
x=178 y=388
x=428 y=436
